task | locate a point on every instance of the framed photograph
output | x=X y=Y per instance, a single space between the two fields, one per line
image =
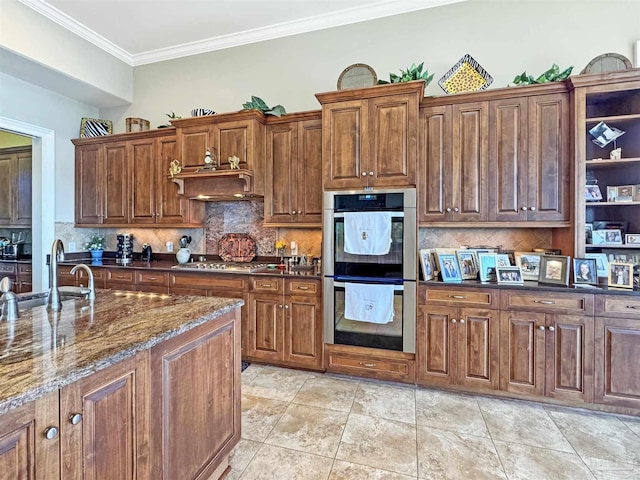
x=632 y=239
x=621 y=275
x=602 y=263
x=487 y=267
x=529 y=263
x=468 y=264
x=592 y=193
x=585 y=270
x=94 y=127
x=502 y=260
x=588 y=232
x=554 y=269
x=509 y=275
x=449 y=268
x=625 y=193
x=612 y=194
x=607 y=225
x=636 y=197
x=426 y=261
x=609 y=236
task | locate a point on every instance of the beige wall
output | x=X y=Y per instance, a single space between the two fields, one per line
x=506 y=37
x=11 y=140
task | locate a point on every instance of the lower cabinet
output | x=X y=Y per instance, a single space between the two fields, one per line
x=285 y=322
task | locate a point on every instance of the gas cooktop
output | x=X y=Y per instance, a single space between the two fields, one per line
x=237 y=267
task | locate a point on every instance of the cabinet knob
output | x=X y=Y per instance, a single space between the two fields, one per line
x=364 y=174
x=462 y=320
x=453 y=320
x=552 y=329
x=541 y=327
x=371 y=174
x=51 y=432
x=524 y=209
x=286 y=307
x=75 y=418
x=448 y=209
x=293 y=212
x=279 y=306
x=533 y=209
x=456 y=209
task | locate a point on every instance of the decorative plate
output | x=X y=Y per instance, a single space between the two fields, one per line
x=465 y=76
x=237 y=247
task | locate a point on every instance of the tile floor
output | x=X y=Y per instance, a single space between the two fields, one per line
x=305 y=426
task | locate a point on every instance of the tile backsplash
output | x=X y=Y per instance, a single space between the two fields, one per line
x=517 y=239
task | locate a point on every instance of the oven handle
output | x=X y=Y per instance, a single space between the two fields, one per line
x=395 y=287
x=393 y=214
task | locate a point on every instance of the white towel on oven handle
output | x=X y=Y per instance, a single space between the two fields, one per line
x=366 y=302
x=367 y=233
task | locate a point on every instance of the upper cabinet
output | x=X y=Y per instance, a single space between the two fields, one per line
x=293 y=187
x=496 y=156
x=15 y=186
x=370 y=136
x=614 y=100
x=124 y=180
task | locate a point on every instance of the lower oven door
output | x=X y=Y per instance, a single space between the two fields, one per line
x=398 y=334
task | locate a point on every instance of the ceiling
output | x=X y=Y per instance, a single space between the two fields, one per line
x=147 y=31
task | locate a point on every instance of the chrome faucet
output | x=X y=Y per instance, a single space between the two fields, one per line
x=9 y=301
x=91 y=294
x=57 y=255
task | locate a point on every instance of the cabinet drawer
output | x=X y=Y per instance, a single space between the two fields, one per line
x=618 y=306
x=121 y=276
x=24 y=268
x=8 y=268
x=551 y=302
x=303 y=287
x=462 y=297
x=396 y=366
x=229 y=281
x=267 y=284
x=153 y=278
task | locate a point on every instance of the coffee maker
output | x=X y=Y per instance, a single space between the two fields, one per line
x=124 y=249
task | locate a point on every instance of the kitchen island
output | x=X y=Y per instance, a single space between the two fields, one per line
x=132 y=385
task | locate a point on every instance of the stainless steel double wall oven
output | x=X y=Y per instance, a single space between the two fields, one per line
x=396 y=268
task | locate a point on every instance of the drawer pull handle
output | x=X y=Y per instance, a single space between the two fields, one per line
x=363 y=364
x=635 y=307
x=152 y=278
x=265 y=285
x=461 y=297
x=302 y=288
x=545 y=302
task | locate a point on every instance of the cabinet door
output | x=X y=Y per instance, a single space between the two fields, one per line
x=7 y=177
x=234 y=139
x=522 y=352
x=22 y=213
x=393 y=133
x=193 y=143
x=345 y=144
x=469 y=173
x=170 y=207
x=282 y=173
x=105 y=423
x=89 y=180
x=617 y=378
x=436 y=349
x=265 y=323
x=478 y=349
x=309 y=184
x=142 y=174
x=549 y=162
x=115 y=184
x=569 y=352
x=24 y=449
x=508 y=162
x=303 y=331
x=435 y=188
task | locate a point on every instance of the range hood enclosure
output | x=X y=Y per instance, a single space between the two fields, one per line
x=219 y=185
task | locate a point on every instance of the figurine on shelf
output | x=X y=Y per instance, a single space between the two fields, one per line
x=234 y=162
x=616 y=154
x=174 y=167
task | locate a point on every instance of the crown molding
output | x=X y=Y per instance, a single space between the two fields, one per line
x=380 y=9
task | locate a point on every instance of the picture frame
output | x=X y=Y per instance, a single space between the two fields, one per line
x=588 y=232
x=509 y=275
x=632 y=239
x=636 y=197
x=610 y=236
x=426 y=262
x=592 y=193
x=468 y=264
x=502 y=260
x=554 y=269
x=625 y=193
x=585 y=271
x=529 y=263
x=612 y=194
x=449 y=268
x=620 y=275
x=607 y=225
x=487 y=267
x=95 y=127
x=602 y=263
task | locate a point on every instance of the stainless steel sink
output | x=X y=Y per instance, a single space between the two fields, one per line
x=41 y=298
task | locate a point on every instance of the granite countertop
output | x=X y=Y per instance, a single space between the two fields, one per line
x=43 y=351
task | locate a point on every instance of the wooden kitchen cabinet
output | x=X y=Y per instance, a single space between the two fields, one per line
x=15 y=186
x=529 y=152
x=370 y=136
x=285 y=321
x=293 y=190
x=453 y=163
x=546 y=345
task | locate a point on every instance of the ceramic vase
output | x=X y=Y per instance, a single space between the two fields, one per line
x=96 y=255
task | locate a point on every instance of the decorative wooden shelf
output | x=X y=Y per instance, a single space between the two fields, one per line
x=606 y=162
x=610 y=204
x=245 y=175
x=626 y=246
x=613 y=118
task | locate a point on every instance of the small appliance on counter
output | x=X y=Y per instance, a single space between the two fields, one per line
x=124 y=249
x=183 y=255
x=146 y=252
